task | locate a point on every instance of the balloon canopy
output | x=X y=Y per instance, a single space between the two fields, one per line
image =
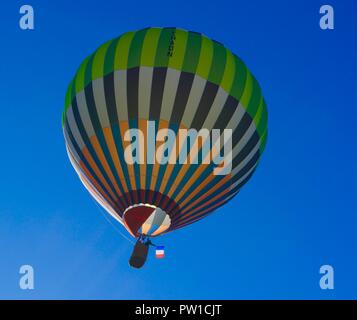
x=126 y=109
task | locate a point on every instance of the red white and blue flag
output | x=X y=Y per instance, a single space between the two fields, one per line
x=160 y=252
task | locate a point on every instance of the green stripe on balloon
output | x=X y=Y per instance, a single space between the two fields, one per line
x=135 y=49
x=98 y=61
x=192 y=53
x=122 y=51
x=239 y=79
x=149 y=47
x=206 y=56
x=263 y=121
x=178 y=47
x=88 y=71
x=229 y=72
x=109 y=58
x=218 y=63
x=247 y=91
x=255 y=98
x=162 y=52
x=80 y=76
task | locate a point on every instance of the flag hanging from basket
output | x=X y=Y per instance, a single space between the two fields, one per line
x=160 y=252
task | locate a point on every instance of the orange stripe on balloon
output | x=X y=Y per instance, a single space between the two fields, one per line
x=205 y=203
x=156 y=165
x=103 y=160
x=123 y=127
x=205 y=163
x=190 y=181
x=174 y=157
x=208 y=193
x=108 y=135
x=98 y=197
x=202 y=213
x=95 y=183
x=143 y=127
x=192 y=154
x=92 y=164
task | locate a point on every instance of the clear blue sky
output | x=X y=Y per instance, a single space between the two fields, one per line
x=297 y=213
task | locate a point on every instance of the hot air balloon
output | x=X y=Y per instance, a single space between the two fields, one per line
x=159 y=80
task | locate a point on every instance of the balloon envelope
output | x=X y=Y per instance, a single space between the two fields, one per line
x=158 y=81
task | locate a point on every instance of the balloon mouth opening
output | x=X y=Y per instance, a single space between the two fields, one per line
x=138 y=206
x=146 y=219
